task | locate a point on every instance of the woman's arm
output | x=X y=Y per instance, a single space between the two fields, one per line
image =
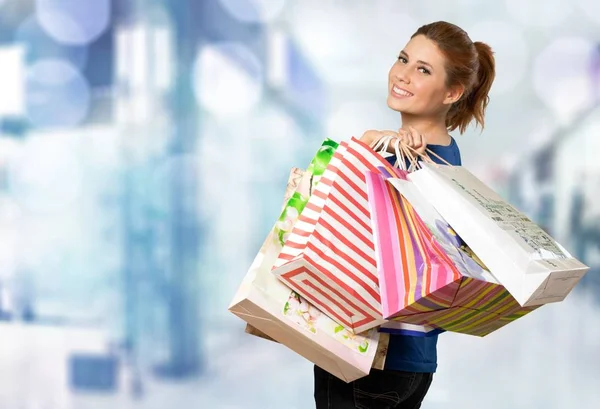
x=370 y=137
x=411 y=138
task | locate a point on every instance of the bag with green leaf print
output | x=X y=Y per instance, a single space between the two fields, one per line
x=273 y=310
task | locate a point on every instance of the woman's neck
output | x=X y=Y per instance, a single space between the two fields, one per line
x=433 y=129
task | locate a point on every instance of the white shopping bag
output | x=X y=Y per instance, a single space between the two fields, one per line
x=530 y=264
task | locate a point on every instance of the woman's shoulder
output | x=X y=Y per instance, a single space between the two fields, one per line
x=449 y=153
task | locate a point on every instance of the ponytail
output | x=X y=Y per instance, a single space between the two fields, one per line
x=479 y=98
x=474 y=102
x=469 y=64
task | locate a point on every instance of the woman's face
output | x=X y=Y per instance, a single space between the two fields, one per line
x=417 y=80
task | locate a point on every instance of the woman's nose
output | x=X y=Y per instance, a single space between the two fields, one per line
x=401 y=74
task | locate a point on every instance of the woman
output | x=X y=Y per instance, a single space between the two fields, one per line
x=439 y=83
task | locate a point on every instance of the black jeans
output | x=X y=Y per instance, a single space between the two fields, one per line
x=378 y=390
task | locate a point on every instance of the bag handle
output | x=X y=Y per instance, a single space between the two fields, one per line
x=382 y=145
x=426 y=157
x=404 y=152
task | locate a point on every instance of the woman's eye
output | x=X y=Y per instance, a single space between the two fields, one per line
x=402 y=60
x=424 y=70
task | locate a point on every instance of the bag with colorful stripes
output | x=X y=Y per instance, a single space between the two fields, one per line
x=329 y=258
x=427 y=275
x=275 y=312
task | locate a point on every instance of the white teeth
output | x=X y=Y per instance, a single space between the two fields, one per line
x=401 y=92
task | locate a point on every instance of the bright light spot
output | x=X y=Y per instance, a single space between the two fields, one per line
x=278 y=62
x=47 y=175
x=139 y=57
x=227 y=79
x=566 y=88
x=163 y=58
x=40 y=45
x=539 y=13
x=143 y=50
x=12 y=81
x=123 y=57
x=75 y=22
x=510 y=51
x=252 y=11
x=57 y=94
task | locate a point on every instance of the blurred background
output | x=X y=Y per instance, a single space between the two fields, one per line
x=144 y=150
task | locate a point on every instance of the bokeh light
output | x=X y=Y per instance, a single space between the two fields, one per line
x=227 y=79
x=510 y=51
x=74 y=22
x=561 y=76
x=252 y=11
x=57 y=94
x=12 y=81
x=40 y=45
x=318 y=34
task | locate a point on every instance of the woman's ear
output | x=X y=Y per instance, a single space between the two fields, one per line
x=454 y=94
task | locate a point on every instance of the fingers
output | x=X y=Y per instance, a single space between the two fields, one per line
x=409 y=137
x=389 y=133
x=414 y=139
x=406 y=137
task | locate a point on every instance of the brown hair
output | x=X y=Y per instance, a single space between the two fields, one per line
x=470 y=64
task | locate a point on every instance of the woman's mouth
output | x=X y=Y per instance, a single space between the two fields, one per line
x=400 y=93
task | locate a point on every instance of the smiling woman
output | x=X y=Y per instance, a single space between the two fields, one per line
x=442 y=75
x=439 y=83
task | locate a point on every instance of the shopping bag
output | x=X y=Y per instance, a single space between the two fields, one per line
x=249 y=329
x=525 y=259
x=293 y=182
x=270 y=306
x=329 y=258
x=427 y=275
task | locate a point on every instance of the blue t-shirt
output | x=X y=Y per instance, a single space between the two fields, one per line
x=413 y=353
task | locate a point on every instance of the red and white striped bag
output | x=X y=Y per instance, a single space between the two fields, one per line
x=329 y=257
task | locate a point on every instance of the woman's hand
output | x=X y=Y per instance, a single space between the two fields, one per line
x=409 y=137
x=373 y=136
x=413 y=139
